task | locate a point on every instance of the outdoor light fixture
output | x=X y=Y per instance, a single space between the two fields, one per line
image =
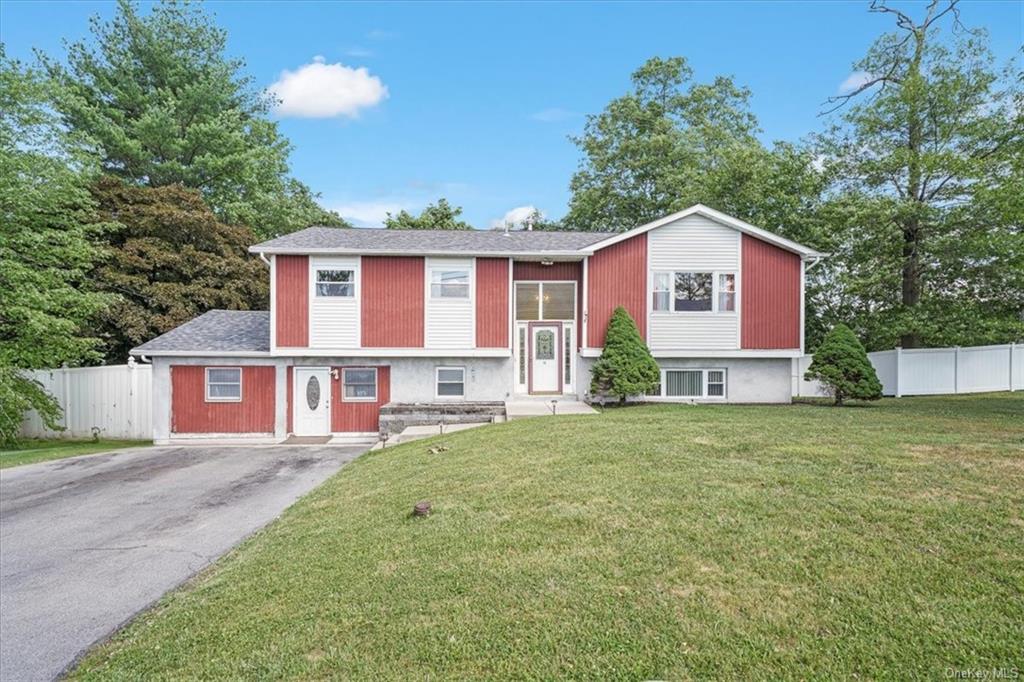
x=547 y=262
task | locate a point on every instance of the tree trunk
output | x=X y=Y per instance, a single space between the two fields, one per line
x=911 y=273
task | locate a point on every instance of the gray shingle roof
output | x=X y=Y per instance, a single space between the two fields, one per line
x=213 y=331
x=431 y=241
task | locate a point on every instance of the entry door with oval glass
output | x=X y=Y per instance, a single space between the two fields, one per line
x=311 y=395
x=545 y=358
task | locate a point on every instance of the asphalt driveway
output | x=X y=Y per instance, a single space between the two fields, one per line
x=88 y=542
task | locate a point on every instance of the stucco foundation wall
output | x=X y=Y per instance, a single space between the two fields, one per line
x=753 y=380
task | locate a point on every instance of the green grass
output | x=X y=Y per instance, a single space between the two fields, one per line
x=43 y=450
x=656 y=542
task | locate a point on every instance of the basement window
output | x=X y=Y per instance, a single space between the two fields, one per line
x=359 y=384
x=451 y=382
x=693 y=383
x=223 y=384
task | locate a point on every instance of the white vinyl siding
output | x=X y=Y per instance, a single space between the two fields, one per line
x=693 y=244
x=333 y=320
x=450 y=322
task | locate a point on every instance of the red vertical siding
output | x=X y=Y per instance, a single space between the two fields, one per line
x=617 y=275
x=556 y=272
x=392 y=302
x=492 y=298
x=292 y=304
x=190 y=413
x=770 y=297
x=359 y=417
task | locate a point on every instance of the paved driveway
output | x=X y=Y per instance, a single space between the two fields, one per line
x=86 y=543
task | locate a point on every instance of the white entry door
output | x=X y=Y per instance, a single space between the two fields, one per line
x=545 y=359
x=311 y=394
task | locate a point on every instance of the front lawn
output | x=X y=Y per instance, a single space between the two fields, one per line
x=658 y=542
x=42 y=450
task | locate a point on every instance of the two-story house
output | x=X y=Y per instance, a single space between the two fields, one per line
x=363 y=317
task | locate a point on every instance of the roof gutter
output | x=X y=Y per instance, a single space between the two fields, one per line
x=451 y=254
x=264 y=258
x=815 y=259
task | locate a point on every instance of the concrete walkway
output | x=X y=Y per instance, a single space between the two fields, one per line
x=88 y=542
x=542 y=407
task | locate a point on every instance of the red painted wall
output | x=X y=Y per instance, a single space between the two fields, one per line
x=560 y=272
x=292 y=304
x=190 y=413
x=359 y=416
x=770 y=298
x=392 y=302
x=492 y=298
x=617 y=275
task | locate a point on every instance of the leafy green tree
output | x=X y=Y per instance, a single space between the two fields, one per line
x=926 y=207
x=45 y=249
x=168 y=259
x=164 y=106
x=439 y=216
x=841 y=364
x=626 y=367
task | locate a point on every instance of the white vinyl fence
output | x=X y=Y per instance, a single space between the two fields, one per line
x=115 y=400
x=935 y=371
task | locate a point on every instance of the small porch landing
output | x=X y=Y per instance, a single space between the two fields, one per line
x=543 y=406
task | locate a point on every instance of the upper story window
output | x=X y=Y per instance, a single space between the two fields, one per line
x=449 y=283
x=545 y=301
x=693 y=292
x=336 y=283
x=224 y=384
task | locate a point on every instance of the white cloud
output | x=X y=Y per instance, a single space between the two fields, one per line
x=553 y=115
x=515 y=218
x=855 y=80
x=322 y=90
x=370 y=213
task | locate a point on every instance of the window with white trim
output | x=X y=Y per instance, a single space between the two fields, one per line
x=449 y=283
x=451 y=382
x=335 y=283
x=545 y=301
x=693 y=383
x=683 y=292
x=223 y=384
x=359 y=384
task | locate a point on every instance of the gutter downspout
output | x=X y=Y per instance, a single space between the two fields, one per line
x=264 y=259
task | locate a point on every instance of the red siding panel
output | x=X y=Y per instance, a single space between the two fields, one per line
x=190 y=413
x=359 y=417
x=770 y=298
x=392 y=302
x=556 y=272
x=292 y=304
x=492 y=297
x=617 y=275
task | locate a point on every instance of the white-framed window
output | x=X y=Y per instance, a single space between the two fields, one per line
x=687 y=292
x=545 y=301
x=449 y=283
x=359 y=384
x=335 y=283
x=451 y=382
x=223 y=384
x=691 y=383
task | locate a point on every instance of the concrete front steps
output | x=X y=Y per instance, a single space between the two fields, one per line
x=545 y=406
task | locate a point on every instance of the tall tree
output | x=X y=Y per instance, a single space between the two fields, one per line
x=164 y=106
x=439 y=216
x=926 y=156
x=45 y=249
x=168 y=259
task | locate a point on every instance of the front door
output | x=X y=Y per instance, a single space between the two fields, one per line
x=545 y=358
x=311 y=394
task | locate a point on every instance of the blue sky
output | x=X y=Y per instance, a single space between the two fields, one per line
x=475 y=102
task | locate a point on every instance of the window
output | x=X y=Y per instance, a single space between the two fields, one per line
x=336 y=283
x=449 y=283
x=224 y=384
x=726 y=293
x=693 y=383
x=451 y=382
x=359 y=384
x=693 y=291
x=545 y=301
x=527 y=301
x=661 y=291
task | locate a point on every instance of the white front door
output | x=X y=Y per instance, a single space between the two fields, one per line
x=311 y=394
x=545 y=359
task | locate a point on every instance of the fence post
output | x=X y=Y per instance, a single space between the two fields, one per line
x=1013 y=347
x=899 y=354
x=956 y=370
x=133 y=394
x=66 y=395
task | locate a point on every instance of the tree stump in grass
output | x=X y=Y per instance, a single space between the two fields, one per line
x=421 y=508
